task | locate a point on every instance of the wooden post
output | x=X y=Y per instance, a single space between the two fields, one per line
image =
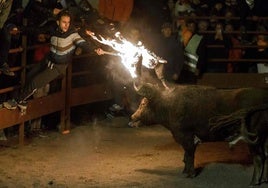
x=21 y=134
x=24 y=56
x=68 y=97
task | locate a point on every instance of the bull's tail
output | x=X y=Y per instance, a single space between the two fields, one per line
x=233 y=127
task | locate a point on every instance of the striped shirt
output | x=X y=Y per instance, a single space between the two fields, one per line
x=63 y=45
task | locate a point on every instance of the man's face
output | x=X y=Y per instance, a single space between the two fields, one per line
x=14 y=31
x=64 y=23
x=166 y=32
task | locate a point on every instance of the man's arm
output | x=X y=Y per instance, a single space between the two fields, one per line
x=5 y=8
x=89 y=46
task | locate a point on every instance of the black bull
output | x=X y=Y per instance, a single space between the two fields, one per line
x=190 y=111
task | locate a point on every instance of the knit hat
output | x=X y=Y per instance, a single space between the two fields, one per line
x=11 y=26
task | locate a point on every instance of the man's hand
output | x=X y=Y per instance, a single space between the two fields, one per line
x=90 y=33
x=56 y=11
x=99 y=51
x=78 y=51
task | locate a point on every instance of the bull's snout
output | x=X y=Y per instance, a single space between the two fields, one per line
x=134 y=124
x=134 y=120
x=134 y=117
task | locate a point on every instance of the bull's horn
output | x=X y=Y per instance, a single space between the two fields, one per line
x=136 y=85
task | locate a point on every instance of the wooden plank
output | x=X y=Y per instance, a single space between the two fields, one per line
x=45 y=105
x=234 y=80
x=36 y=108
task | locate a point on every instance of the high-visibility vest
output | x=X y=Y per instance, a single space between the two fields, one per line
x=191 y=57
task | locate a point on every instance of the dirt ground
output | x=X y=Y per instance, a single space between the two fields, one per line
x=108 y=153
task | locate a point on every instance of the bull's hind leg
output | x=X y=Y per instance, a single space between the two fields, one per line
x=258 y=163
x=265 y=168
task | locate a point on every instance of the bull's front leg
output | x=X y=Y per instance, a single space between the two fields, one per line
x=187 y=142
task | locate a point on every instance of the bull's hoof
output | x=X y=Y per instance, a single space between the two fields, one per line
x=188 y=174
x=191 y=175
x=254 y=184
x=264 y=180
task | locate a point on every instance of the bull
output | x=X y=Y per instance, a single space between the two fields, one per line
x=253 y=125
x=189 y=111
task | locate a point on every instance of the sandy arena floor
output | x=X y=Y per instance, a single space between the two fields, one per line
x=107 y=153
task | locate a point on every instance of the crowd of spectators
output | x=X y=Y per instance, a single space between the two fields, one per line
x=227 y=27
x=184 y=15
x=210 y=32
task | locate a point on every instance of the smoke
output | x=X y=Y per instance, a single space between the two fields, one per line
x=117 y=72
x=97 y=131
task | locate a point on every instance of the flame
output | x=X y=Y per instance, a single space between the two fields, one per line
x=129 y=53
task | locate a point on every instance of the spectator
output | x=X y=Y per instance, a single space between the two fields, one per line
x=154 y=13
x=262 y=53
x=41 y=16
x=184 y=33
x=170 y=49
x=6 y=34
x=219 y=50
x=230 y=3
x=5 y=7
x=229 y=13
x=182 y=7
x=234 y=53
x=64 y=40
x=192 y=67
x=41 y=51
x=218 y=9
x=6 y=31
x=41 y=12
x=202 y=26
x=213 y=22
x=202 y=29
x=245 y=10
x=201 y=7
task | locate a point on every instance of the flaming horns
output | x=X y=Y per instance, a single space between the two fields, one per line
x=130 y=53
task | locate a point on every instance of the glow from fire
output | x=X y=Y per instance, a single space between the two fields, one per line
x=130 y=53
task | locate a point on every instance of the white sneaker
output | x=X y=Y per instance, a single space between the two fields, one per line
x=2 y=135
x=10 y=104
x=117 y=107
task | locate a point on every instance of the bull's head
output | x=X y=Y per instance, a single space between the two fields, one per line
x=146 y=90
x=144 y=113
